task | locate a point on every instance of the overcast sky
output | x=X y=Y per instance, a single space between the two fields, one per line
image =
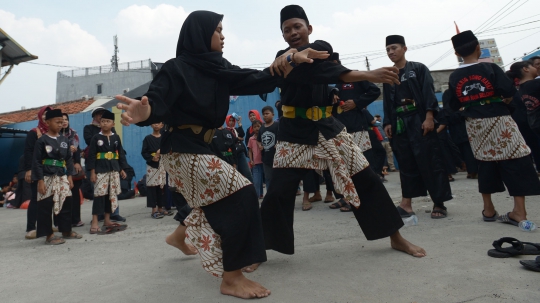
x=79 y=33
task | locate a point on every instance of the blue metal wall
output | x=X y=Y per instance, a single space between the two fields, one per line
x=11 y=148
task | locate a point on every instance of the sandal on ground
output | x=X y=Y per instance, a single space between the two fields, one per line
x=443 y=212
x=306 y=206
x=156 y=215
x=98 y=231
x=517 y=248
x=505 y=218
x=55 y=240
x=116 y=227
x=531 y=264
x=167 y=213
x=73 y=235
x=490 y=219
x=451 y=179
x=329 y=199
x=346 y=208
x=315 y=199
x=339 y=204
x=30 y=235
x=403 y=213
x=81 y=223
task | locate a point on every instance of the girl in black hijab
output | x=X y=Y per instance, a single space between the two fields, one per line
x=190 y=94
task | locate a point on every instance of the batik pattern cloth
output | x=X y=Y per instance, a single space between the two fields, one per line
x=340 y=155
x=203 y=180
x=361 y=139
x=155 y=176
x=58 y=187
x=496 y=139
x=108 y=184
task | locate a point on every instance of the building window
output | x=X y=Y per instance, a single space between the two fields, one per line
x=99 y=86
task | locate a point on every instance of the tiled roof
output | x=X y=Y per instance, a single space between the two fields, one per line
x=71 y=107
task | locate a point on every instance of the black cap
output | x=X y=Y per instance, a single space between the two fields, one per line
x=334 y=56
x=463 y=38
x=395 y=39
x=53 y=113
x=292 y=11
x=107 y=115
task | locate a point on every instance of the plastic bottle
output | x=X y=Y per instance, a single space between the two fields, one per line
x=527 y=225
x=410 y=221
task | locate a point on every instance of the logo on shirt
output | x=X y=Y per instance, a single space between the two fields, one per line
x=347 y=86
x=48 y=148
x=531 y=102
x=412 y=74
x=100 y=142
x=229 y=136
x=474 y=87
x=63 y=145
x=268 y=140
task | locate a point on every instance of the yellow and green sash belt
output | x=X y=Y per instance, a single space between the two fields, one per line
x=53 y=162
x=483 y=102
x=107 y=156
x=314 y=113
x=400 y=126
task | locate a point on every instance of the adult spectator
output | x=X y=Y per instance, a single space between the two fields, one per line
x=253 y=116
x=241 y=151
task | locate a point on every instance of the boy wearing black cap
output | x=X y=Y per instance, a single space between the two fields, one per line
x=481 y=91
x=106 y=161
x=52 y=158
x=155 y=173
x=309 y=138
x=410 y=109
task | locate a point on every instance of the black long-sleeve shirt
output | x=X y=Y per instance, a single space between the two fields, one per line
x=530 y=95
x=477 y=82
x=29 y=145
x=150 y=145
x=363 y=94
x=103 y=144
x=307 y=86
x=51 y=148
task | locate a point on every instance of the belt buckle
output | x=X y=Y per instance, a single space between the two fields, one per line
x=315 y=113
x=109 y=156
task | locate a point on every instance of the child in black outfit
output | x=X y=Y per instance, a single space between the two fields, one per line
x=106 y=161
x=52 y=157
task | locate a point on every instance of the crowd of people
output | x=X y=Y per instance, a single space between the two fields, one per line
x=217 y=172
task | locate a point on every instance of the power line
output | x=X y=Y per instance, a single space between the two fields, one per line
x=519 y=39
x=502 y=17
x=506 y=27
x=490 y=18
x=495 y=34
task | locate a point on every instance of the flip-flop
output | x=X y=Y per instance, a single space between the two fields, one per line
x=505 y=218
x=346 y=208
x=339 y=204
x=55 y=238
x=306 y=206
x=116 y=227
x=167 y=213
x=156 y=215
x=443 y=212
x=329 y=200
x=531 y=264
x=73 y=235
x=314 y=199
x=517 y=248
x=403 y=213
x=490 y=219
x=101 y=232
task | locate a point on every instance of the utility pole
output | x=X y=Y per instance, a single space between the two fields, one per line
x=367 y=64
x=115 y=59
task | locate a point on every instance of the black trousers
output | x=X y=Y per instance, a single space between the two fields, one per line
x=421 y=167
x=376 y=155
x=468 y=157
x=450 y=152
x=45 y=217
x=518 y=175
x=377 y=215
x=101 y=205
x=532 y=138
x=154 y=196
x=237 y=220
x=32 y=212
x=76 y=202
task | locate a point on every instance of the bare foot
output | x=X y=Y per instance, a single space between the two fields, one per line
x=399 y=243
x=237 y=285
x=186 y=248
x=251 y=268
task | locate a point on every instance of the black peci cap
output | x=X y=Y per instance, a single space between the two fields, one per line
x=54 y=113
x=107 y=115
x=292 y=11
x=395 y=39
x=463 y=38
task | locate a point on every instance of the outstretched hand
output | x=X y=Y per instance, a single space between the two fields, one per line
x=383 y=75
x=281 y=66
x=135 y=111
